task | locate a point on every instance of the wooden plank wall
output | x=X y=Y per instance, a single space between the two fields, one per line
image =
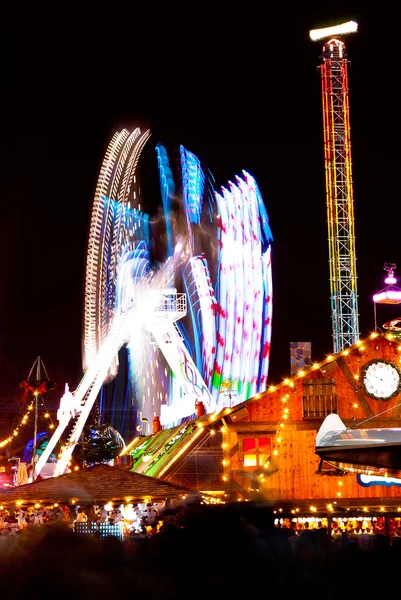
x=297 y=477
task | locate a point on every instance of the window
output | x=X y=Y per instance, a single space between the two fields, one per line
x=256 y=451
x=319 y=397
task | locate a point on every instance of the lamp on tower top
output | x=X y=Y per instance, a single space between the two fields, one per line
x=325 y=32
x=391 y=294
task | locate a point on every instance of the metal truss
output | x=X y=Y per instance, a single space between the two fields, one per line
x=339 y=195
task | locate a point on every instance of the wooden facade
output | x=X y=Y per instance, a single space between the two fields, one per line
x=265 y=447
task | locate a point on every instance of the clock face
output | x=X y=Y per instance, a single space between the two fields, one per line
x=381 y=379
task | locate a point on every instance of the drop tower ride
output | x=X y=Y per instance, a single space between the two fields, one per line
x=339 y=185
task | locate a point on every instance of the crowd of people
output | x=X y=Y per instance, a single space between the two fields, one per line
x=225 y=550
x=134 y=518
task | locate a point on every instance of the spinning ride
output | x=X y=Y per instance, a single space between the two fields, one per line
x=192 y=321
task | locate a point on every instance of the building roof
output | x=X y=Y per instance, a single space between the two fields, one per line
x=97 y=484
x=155 y=454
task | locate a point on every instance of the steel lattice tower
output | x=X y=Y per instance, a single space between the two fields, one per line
x=339 y=189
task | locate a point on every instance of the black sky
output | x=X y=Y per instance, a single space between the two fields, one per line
x=241 y=91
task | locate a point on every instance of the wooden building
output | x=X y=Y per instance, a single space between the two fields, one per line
x=100 y=484
x=264 y=448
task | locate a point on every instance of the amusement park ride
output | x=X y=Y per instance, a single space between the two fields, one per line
x=360 y=450
x=131 y=302
x=339 y=186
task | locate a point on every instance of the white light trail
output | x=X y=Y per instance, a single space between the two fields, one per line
x=325 y=32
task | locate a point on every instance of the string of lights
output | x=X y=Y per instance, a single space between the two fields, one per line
x=16 y=430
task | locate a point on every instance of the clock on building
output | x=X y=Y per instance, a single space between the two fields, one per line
x=381 y=379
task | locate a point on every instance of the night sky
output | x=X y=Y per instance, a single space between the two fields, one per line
x=242 y=92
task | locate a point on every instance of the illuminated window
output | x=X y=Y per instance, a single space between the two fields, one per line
x=256 y=451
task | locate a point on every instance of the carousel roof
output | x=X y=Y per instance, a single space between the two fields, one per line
x=97 y=484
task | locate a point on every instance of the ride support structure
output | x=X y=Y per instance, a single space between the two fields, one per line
x=167 y=307
x=339 y=190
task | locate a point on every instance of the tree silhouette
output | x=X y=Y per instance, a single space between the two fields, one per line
x=97 y=445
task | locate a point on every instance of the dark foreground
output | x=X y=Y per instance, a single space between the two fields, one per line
x=215 y=552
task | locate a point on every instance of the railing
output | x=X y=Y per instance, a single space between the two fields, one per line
x=172 y=303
